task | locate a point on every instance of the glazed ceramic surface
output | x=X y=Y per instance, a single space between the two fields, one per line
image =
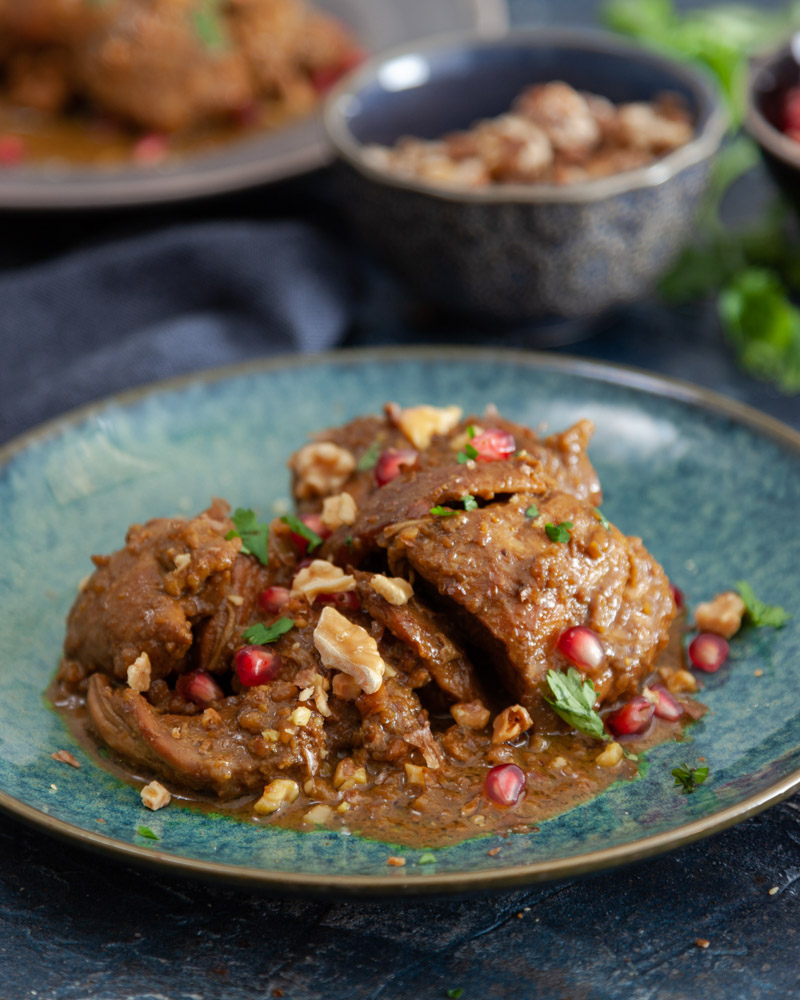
x=710 y=486
x=515 y=251
x=298 y=147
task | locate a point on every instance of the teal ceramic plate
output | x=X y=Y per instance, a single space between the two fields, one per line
x=712 y=487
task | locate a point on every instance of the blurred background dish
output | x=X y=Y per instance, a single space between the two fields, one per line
x=275 y=138
x=519 y=251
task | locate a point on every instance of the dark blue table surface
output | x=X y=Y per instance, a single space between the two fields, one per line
x=75 y=926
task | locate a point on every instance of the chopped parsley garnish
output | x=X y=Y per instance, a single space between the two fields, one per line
x=370 y=457
x=759 y=613
x=689 y=778
x=147 y=833
x=469 y=501
x=349 y=541
x=470 y=431
x=455 y=993
x=532 y=511
x=469 y=454
x=260 y=634
x=208 y=24
x=574 y=701
x=601 y=517
x=252 y=532
x=558 y=532
x=297 y=526
x=440 y=511
x=427 y=859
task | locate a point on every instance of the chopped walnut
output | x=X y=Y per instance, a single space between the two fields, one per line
x=65 y=757
x=321 y=577
x=276 y=794
x=395 y=861
x=510 y=723
x=563 y=114
x=182 y=560
x=421 y=423
x=211 y=719
x=722 y=615
x=155 y=796
x=139 y=673
x=610 y=757
x=472 y=714
x=642 y=126
x=393 y=589
x=679 y=681
x=348 y=774
x=345 y=646
x=415 y=774
x=318 y=815
x=338 y=510
x=301 y=716
x=345 y=687
x=321 y=468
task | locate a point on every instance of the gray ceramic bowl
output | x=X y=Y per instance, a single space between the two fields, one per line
x=517 y=252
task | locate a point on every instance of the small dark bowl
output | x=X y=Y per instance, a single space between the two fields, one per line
x=515 y=252
x=770 y=77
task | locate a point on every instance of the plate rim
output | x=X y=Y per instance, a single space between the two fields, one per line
x=84 y=189
x=394 y=883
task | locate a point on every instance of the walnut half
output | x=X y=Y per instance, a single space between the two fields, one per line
x=510 y=723
x=345 y=646
x=321 y=577
x=321 y=468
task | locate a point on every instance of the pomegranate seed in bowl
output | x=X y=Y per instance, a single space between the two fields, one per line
x=708 y=652
x=504 y=784
x=666 y=707
x=677 y=597
x=346 y=601
x=256 y=665
x=198 y=686
x=633 y=719
x=392 y=462
x=273 y=599
x=493 y=445
x=582 y=647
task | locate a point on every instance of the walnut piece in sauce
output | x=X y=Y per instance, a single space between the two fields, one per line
x=420 y=423
x=722 y=615
x=338 y=510
x=510 y=723
x=393 y=589
x=342 y=645
x=321 y=468
x=321 y=577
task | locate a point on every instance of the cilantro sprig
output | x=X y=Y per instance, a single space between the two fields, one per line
x=601 y=517
x=147 y=833
x=439 y=511
x=688 y=779
x=370 y=457
x=469 y=454
x=573 y=700
x=469 y=501
x=559 y=532
x=252 y=532
x=261 y=634
x=209 y=25
x=758 y=613
x=532 y=511
x=299 y=528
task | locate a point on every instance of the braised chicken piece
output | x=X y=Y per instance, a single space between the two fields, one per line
x=383 y=655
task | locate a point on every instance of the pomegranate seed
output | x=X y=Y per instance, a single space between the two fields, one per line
x=273 y=599
x=708 y=652
x=666 y=707
x=504 y=784
x=791 y=109
x=348 y=601
x=582 y=647
x=493 y=445
x=256 y=665
x=392 y=462
x=150 y=150
x=12 y=150
x=633 y=718
x=314 y=523
x=246 y=114
x=677 y=597
x=199 y=687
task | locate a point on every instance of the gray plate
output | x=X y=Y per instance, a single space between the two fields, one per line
x=295 y=149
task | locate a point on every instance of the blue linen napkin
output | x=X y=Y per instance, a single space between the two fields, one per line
x=179 y=300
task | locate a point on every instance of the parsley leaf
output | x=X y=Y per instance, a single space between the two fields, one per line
x=252 y=533
x=260 y=634
x=469 y=501
x=297 y=526
x=455 y=993
x=147 y=833
x=440 y=511
x=532 y=511
x=689 y=778
x=759 y=613
x=370 y=457
x=559 y=532
x=209 y=25
x=601 y=517
x=574 y=701
x=428 y=858
x=469 y=454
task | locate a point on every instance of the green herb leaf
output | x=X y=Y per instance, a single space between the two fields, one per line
x=532 y=511
x=759 y=613
x=370 y=457
x=469 y=501
x=260 y=634
x=440 y=511
x=573 y=700
x=253 y=534
x=469 y=454
x=349 y=541
x=689 y=778
x=428 y=858
x=601 y=517
x=209 y=24
x=147 y=833
x=455 y=993
x=470 y=431
x=559 y=532
x=297 y=526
